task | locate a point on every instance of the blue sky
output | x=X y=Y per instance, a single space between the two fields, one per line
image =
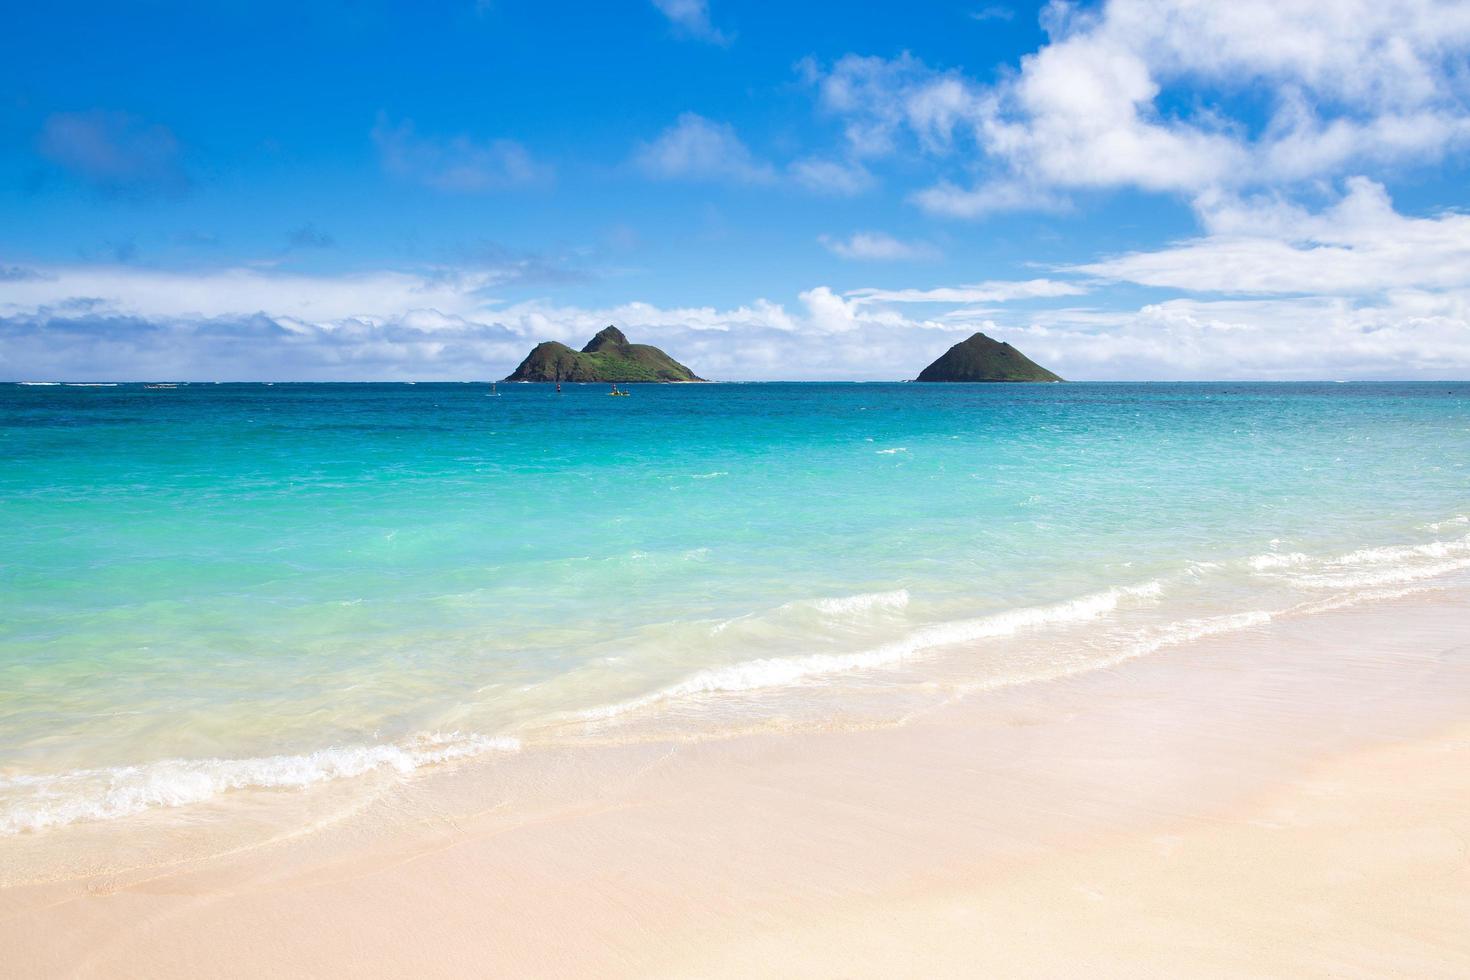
x=1140 y=189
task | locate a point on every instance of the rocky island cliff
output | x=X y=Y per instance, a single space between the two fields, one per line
x=983 y=359
x=608 y=357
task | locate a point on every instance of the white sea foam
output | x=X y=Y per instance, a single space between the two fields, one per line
x=1272 y=560
x=1188 y=630
x=1172 y=634
x=890 y=452
x=865 y=602
x=1370 y=577
x=1387 y=555
x=836 y=607
x=37 y=802
x=1366 y=567
x=773 y=672
x=39 y=384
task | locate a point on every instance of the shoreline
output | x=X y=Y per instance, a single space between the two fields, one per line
x=826 y=853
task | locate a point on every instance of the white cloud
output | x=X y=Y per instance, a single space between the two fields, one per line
x=458 y=164
x=995 y=291
x=1409 y=335
x=838 y=178
x=1358 y=246
x=147 y=293
x=696 y=148
x=124 y=322
x=691 y=18
x=879 y=100
x=947 y=200
x=1386 y=295
x=876 y=246
x=1139 y=93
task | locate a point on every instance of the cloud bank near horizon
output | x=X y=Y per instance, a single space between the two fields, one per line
x=1355 y=290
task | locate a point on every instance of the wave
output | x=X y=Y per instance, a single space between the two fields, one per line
x=1274 y=559
x=1189 y=630
x=37 y=802
x=1380 y=576
x=29 y=803
x=861 y=603
x=773 y=672
x=1366 y=567
x=1172 y=634
x=837 y=607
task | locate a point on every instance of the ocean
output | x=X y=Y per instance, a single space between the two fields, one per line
x=244 y=588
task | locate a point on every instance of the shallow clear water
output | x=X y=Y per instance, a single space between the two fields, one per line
x=213 y=587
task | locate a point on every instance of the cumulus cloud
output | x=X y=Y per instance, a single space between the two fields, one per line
x=691 y=18
x=881 y=100
x=877 y=246
x=1137 y=93
x=457 y=164
x=699 y=149
x=1357 y=246
x=1407 y=335
x=124 y=322
x=117 y=154
x=1354 y=289
x=96 y=323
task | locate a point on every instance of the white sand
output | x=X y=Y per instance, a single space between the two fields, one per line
x=1294 y=801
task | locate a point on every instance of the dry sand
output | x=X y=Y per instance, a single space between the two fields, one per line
x=1295 y=801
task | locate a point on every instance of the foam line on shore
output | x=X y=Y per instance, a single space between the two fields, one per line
x=1365 y=567
x=772 y=672
x=38 y=802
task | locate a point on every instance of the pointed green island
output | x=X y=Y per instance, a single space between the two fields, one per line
x=983 y=359
x=608 y=357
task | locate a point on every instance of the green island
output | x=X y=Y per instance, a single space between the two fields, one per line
x=608 y=357
x=982 y=359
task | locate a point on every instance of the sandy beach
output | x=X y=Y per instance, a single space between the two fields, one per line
x=714 y=489
x=1293 y=800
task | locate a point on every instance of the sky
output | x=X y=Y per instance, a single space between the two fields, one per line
x=371 y=190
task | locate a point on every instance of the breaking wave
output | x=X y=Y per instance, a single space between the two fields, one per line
x=36 y=802
x=771 y=672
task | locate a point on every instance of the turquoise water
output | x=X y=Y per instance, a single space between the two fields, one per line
x=216 y=588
